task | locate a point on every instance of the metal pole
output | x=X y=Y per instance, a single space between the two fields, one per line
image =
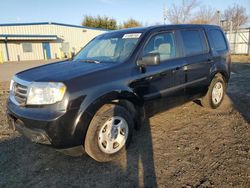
x=6 y=49
x=248 y=51
x=235 y=38
x=218 y=17
x=231 y=26
x=164 y=14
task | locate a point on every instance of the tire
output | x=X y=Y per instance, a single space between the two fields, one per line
x=101 y=142
x=209 y=100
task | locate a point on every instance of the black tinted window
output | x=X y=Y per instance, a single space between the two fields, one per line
x=218 y=39
x=192 y=42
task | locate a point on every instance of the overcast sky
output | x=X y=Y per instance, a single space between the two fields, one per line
x=72 y=11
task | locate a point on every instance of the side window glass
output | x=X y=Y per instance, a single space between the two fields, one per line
x=218 y=39
x=163 y=44
x=192 y=41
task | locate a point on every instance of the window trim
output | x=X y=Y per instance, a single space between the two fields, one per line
x=178 y=54
x=200 y=30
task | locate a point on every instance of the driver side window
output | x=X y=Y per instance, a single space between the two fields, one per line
x=163 y=44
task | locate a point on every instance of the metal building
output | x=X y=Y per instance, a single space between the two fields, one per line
x=44 y=40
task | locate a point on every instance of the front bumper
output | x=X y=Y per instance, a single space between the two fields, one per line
x=46 y=125
x=35 y=135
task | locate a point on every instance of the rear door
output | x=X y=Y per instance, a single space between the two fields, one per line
x=197 y=59
x=220 y=50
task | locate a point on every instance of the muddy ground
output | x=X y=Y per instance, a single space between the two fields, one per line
x=186 y=146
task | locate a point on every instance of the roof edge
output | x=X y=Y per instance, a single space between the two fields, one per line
x=52 y=23
x=23 y=35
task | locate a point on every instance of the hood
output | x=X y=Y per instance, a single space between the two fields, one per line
x=61 y=71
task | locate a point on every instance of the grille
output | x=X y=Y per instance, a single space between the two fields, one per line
x=20 y=93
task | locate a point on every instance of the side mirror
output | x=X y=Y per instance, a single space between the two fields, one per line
x=149 y=59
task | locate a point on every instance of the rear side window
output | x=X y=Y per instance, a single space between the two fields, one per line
x=193 y=42
x=218 y=39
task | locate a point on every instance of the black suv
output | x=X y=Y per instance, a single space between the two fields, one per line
x=98 y=97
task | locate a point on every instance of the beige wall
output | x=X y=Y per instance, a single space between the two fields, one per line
x=15 y=49
x=2 y=51
x=76 y=37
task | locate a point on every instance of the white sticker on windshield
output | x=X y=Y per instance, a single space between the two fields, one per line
x=131 y=35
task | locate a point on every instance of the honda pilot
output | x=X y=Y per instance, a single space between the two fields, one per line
x=97 y=98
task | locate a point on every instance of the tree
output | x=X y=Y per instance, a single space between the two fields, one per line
x=183 y=13
x=131 y=23
x=237 y=14
x=206 y=15
x=103 y=22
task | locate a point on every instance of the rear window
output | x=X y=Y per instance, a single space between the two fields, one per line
x=218 y=40
x=193 y=42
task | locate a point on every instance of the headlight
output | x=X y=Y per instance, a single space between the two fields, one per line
x=11 y=85
x=41 y=93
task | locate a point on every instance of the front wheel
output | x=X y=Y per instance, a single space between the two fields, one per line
x=215 y=93
x=109 y=133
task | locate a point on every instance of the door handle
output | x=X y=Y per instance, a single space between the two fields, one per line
x=149 y=78
x=185 y=68
x=179 y=68
x=210 y=60
x=176 y=69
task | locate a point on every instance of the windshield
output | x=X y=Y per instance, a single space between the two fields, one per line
x=109 y=47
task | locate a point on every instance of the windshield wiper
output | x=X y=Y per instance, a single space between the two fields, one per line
x=90 y=61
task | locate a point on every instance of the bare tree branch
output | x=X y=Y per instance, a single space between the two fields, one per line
x=206 y=15
x=181 y=14
x=237 y=14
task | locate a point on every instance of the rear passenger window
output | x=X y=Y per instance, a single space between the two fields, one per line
x=164 y=44
x=218 y=39
x=193 y=43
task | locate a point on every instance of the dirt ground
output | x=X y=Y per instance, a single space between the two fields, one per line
x=186 y=146
x=240 y=58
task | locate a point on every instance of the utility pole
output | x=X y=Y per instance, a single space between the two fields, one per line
x=164 y=14
x=218 y=17
x=231 y=26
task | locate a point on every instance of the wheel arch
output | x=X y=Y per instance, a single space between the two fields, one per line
x=220 y=68
x=221 y=72
x=91 y=104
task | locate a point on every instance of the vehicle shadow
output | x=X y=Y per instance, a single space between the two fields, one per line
x=239 y=90
x=140 y=158
x=34 y=165
x=25 y=164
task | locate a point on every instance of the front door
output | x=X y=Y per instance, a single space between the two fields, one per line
x=166 y=80
x=46 y=50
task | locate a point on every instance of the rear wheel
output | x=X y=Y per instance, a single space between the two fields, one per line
x=109 y=133
x=215 y=93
